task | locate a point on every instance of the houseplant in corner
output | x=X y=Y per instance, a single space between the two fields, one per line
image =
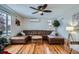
x=56 y=24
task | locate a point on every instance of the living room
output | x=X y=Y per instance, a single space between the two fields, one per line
x=40 y=28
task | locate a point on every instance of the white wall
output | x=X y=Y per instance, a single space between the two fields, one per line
x=14 y=28
x=42 y=24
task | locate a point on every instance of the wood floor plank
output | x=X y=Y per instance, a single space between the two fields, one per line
x=27 y=49
x=13 y=48
x=20 y=52
x=34 y=48
x=17 y=48
x=53 y=51
x=10 y=49
x=54 y=46
x=48 y=49
x=66 y=49
x=40 y=49
x=36 y=51
x=62 y=50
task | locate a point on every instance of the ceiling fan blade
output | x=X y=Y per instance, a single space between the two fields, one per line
x=35 y=12
x=33 y=8
x=44 y=6
x=39 y=7
x=47 y=11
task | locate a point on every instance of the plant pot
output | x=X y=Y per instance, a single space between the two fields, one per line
x=56 y=34
x=0 y=32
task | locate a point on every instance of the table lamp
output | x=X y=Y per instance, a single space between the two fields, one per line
x=70 y=29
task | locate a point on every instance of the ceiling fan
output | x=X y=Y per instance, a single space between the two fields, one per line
x=41 y=9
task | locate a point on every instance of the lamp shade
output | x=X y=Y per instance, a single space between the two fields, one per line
x=70 y=28
x=75 y=23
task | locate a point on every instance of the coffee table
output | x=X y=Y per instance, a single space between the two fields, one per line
x=36 y=39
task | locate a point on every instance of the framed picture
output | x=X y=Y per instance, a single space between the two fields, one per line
x=17 y=22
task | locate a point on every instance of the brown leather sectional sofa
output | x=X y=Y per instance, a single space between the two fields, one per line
x=28 y=33
x=37 y=32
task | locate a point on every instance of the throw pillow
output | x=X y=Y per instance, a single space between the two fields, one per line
x=19 y=34
x=53 y=33
x=23 y=33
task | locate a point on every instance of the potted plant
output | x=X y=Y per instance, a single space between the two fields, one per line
x=56 y=24
x=3 y=43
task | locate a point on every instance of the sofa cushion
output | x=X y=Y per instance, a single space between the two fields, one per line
x=19 y=39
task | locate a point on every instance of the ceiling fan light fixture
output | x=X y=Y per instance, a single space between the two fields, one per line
x=40 y=12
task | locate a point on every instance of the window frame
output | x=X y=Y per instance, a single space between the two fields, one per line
x=6 y=23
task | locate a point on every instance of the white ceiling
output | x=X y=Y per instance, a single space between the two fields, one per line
x=58 y=10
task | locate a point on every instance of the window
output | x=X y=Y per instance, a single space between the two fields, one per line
x=7 y=23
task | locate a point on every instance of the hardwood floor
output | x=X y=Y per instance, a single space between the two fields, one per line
x=35 y=48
